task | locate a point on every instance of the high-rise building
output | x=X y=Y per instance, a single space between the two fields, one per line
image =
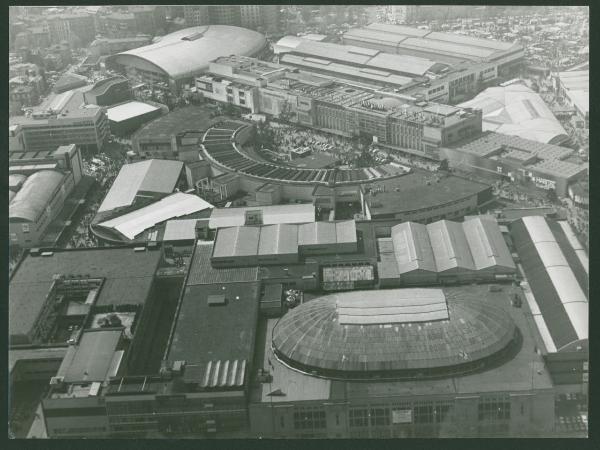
x=225 y=15
x=196 y=15
x=248 y=16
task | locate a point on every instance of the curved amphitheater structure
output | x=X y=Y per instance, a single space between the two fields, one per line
x=221 y=146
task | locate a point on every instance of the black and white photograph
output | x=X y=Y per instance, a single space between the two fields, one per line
x=298 y=222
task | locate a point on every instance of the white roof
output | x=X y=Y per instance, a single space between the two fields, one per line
x=180 y=230
x=476 y=244
x=579 y=250
x=152 y=175
x=560 y=273
x=576 y=84
x=518 y=111
x=176 y=205
x=128 y=110
x=392 y=306
x=188 y=52
x=273 y=214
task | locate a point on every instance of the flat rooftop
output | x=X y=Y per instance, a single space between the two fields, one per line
x=418 y=190
x=35 y=354
x=218 y=332
x=490 y=143
x=516 y=375
x=189 y=118
x=66 y=105
x=129 y=110
x=93 y=358
x=128 y=278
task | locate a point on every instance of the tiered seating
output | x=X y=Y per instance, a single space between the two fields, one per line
x=219 y=145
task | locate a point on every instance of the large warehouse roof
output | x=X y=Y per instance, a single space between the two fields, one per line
x=434 y=44
x=558 y=281
x=576 y=83
x=272 y=214
x=317 y=336
x=153 y=175
x=281 y=239
x=475 y=244
x=369 y=58
x=35 y=195
x=188 y=52
x=517 y=110
x=176 y=205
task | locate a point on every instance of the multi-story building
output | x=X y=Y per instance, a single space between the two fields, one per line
x=225 y=15
x=385 y=117
x=196 y=15
x=39 y=185
x=264 y=17
x=136 y=20
x=514 y=158
x=428 y=76
x=62 y=119
x=75 y=28
x=484 y=59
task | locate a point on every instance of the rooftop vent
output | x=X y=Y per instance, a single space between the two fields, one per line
x=193 y=37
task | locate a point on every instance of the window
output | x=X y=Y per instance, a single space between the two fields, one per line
x=282 y=421
x=359 y=418
x=13 y=237
x=337 y=419
x=423 y=414
x=25 y=228
x=380 y=416
x=309 y=420
x=494 y=408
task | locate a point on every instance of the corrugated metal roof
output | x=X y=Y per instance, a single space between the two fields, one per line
x=152 y=175
x=175 y=205
x=35 y=195
x=236 y=241
x=470 y=41
x=426 y=45
x=278 y=239
x=394 y=306
x=561 y=278
x=412 y=247
x=486 y=243
x=577 y=247
x=449 y=244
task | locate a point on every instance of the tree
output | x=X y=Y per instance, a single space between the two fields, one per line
x=306 y=12
x=444 y=166
x=551 y=195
